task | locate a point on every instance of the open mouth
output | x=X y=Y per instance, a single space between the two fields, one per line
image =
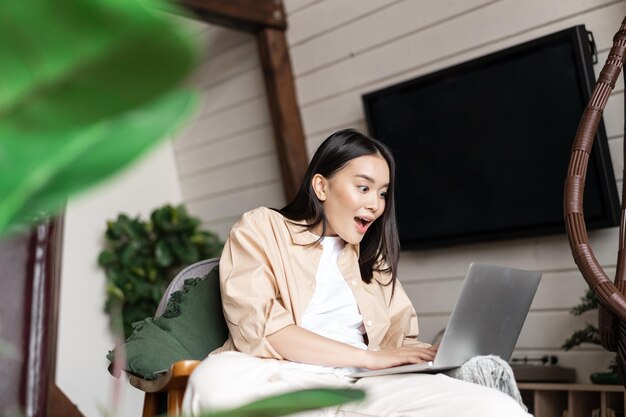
x=362 y=223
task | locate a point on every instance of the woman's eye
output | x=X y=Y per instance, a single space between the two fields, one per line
x=363 y=188
x=383 y=194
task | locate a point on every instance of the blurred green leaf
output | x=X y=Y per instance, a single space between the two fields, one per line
x=192 y=254
x=114 y=231
x=112 y=275
x=157 y=293
x=44 y=170
x=134 y=229
x=114 y=292
x=589 y=334
x=165 y=219
x=292 y=402
x=152 y=274
x=163 y=254
x=183 y=249
x=106 y=257
x=138 y=271
x=589 y=301
x=143 y=289
x=69 y=63
x=85 y=88
x=128 y=255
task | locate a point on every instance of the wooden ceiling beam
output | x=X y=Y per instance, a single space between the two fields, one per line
x=246 y=15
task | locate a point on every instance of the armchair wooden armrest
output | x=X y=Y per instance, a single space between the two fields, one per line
x=167 y=390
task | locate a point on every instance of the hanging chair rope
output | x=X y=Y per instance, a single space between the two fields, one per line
x=611 y=296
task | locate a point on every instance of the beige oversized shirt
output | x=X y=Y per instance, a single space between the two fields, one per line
x=267 y=278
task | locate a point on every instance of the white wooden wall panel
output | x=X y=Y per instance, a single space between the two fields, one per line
x=221 y=40
x=222 y=152
x=232 y=205
x=330 y=15
x=614 y=114
x=548 y=253
x=371 y=31
x=314 y=141
x=292 y=7
x=226 y=157
x=235 y=60
x=234 y=91
x=222 y=227
x=616 y=147
x=471 y=30
x=241 y=174
x=235 y=120
x=549 y=329
x=190 y=25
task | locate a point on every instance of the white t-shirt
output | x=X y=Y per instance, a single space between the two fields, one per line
x=332 y=311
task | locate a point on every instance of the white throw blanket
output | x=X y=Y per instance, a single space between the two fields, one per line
x=490 y=371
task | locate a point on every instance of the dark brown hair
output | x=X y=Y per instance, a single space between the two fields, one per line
x=380 y=247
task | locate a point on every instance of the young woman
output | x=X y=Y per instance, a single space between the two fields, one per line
x=310 y=295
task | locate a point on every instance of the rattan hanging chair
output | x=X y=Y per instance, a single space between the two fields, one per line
x=611 y=296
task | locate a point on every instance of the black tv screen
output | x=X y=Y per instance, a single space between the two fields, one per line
x=482 y=148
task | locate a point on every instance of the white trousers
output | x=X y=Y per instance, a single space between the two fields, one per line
x=232 y=379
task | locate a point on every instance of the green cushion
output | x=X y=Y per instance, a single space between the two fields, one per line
x=191 y=326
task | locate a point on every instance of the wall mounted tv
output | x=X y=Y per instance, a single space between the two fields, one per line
x=482 y=148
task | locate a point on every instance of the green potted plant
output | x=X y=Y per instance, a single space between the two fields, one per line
x=141 y=257
x=591 y=334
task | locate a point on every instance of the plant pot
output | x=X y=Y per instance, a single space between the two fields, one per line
x=605 y=378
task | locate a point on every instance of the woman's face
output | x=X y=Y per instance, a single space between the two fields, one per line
x=354 y=197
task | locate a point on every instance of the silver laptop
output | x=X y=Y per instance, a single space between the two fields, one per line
x=486 y=320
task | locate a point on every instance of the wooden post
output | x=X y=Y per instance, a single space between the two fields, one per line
x=283 y=104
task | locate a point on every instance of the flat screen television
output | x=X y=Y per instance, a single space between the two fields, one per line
x=482 y=148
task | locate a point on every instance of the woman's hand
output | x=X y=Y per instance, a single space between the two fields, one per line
x=399 y=356
x=297 y=344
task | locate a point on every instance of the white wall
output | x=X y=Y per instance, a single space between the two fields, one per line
x=84 y=338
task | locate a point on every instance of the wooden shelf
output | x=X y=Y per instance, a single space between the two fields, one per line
x=573 y=400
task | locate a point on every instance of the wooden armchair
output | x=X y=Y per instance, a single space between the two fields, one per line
x=165 y=394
